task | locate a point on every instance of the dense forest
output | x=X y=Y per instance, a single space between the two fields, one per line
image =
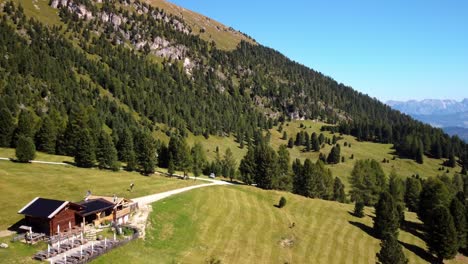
x=124 y=68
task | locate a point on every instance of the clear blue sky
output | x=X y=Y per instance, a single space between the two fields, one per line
x=399 y=49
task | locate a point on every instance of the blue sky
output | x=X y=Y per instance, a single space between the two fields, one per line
x=388 y=49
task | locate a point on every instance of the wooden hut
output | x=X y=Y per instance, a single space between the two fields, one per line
x=50 y=216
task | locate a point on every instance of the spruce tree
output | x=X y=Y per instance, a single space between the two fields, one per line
x=85 y=150
x=146 y=149
x=247 y=167
x=6 y=127
x=229 y=164
x=131 y=161
x=290 y=143
x=433 y=194
x=359 y=209
x=198 y=159
x=334 y=156
x=391 y=252
x=458 y=211
x=413 y=190
x=387 y=219
x=338 y=191
x=25 y=124
x=442 y=235
x=315 y=142
x=25 y=149
x=367 y=181
x=125 y=146
x=106 y=154
x=46 y=136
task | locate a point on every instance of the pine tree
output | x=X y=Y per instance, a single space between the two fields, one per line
x=106 y=154
x=198 y=159
x=229 y=164
x=359 y=209
x=247 y=167
x=433 y=194
x=315 y=142
x=338 y=191
x=125 y=146
x=285 y=135
x=413 y=190
x=6 y=127
x=46 y=136
x=85 y=150
x=458 y=211
x=290 y=143
x=391 y=252
x=334 y=156
x=367 y=181
x=387 y=219
x=25 y=124
x=131 y=161
x=146 y=149
x=441 y=234
x=25 y=149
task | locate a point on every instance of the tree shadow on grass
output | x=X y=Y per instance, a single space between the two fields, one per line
x=420 y=252
x=369 y=230
x=416 y=229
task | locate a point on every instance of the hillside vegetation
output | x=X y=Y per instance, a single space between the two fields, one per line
x=240 y=224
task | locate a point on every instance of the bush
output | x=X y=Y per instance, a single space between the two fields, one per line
x=25 y=149
x=359 y=209
x=282 y=202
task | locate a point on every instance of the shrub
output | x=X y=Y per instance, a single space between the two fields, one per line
x=282 y=202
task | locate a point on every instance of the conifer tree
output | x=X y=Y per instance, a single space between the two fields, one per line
x=25 y=149
x=413 y=190
x=367 y=181
x=290 y=143
x=198 y=159
x=338 y=191
x=6 y=127
x=433 y=194
x=131 y=161
x=85 y=150
x=442 y=235
x=334 y=156
x=146 y=149
x=125 y=146
x=391 y=252
x=458 y=211
x=229 y=164
x=247 y=167
x=106 y=154
x=396 y=189
x=387 y=219
x=315 y=142
x=46 y=136
x=25 y=124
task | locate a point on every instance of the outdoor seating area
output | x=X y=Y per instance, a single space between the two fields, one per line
x=80 y=250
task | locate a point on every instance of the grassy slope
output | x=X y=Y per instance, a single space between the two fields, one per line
x=224 y=37
x=20 y=183
x=239 y=224
x=360 y=150
x=39 y=9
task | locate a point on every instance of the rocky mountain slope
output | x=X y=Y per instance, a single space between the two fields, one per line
x=134 y=65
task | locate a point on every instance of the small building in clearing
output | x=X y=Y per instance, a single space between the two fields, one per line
x=50 y=216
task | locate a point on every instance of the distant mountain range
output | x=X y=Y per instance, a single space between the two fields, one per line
x=451 y=115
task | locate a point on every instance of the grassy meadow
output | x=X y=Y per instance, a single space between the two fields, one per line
x=20 y=183
x=240 y=224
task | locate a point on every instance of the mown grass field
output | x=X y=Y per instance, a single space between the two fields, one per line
x=20 y=183
x=240 y=224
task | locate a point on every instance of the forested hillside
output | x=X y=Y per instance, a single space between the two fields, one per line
x=123 y=68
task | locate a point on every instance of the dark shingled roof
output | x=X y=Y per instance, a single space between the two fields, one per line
x=94 y=206
x=41 y=207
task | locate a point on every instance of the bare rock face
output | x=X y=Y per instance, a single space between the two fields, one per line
x=116 y=20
